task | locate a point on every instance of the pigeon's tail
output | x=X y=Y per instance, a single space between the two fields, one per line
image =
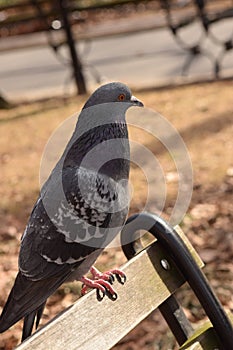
x=27 y=299
x=29 y=321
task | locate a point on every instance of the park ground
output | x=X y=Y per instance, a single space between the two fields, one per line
x=202 y=114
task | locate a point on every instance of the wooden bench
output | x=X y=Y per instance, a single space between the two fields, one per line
x=153 y=275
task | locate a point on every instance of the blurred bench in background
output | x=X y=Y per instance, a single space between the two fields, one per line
x=66 y=22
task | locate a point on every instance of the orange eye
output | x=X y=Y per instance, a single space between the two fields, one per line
x=121 y=97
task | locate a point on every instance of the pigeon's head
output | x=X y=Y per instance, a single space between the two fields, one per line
x=112 y=92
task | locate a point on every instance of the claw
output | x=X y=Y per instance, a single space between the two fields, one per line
x=121 y=279
x=87 y=283
x=102 y=282
x=109 y=275
x=100 y=285
x=99 y=295
x=120 y=276
x=111 y=279
x=111 y=296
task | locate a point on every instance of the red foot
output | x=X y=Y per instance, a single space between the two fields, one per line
x=102 y=282
x=108 y=275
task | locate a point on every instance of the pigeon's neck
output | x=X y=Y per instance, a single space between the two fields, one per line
x=103 y=149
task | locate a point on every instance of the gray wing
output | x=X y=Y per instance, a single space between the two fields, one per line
x=81 y=211
x=64 y=233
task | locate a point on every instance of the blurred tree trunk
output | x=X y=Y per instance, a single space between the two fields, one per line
x=4 y=104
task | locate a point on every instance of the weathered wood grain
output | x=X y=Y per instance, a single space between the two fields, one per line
x=90 y=324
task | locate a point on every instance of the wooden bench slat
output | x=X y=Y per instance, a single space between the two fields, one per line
x=204 y=338
x=192 y=250
x=90 y=324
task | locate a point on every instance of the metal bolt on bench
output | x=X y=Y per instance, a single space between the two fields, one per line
x=182 y=258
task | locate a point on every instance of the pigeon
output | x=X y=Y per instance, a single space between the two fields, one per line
x=81 y=207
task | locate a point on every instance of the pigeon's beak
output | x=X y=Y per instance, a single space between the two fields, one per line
x=136 y=102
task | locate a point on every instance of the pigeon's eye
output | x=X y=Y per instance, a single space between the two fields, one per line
x=121 y=97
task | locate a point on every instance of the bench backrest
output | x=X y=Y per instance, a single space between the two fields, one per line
x=90 y=324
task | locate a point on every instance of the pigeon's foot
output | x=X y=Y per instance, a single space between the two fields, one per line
x=108 y=275
x=102 y=282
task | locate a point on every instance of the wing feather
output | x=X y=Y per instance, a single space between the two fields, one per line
x=63 y=239
x=27 y=296
x=65 y=228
